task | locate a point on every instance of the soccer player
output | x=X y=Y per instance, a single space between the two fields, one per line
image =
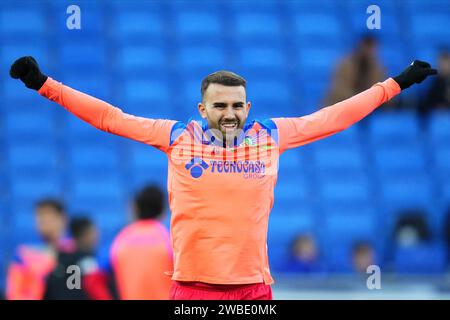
x=33 y=262
x=222 y=171
x=94 y=282
x=141 y=252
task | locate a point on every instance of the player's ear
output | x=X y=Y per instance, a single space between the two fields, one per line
x=249 y=105
x=202 y=110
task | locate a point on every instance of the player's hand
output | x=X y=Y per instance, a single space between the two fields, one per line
x=415 y=73
x=27 y=70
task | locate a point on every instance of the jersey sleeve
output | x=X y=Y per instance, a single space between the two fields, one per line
x=295 y=132
x=15 y=281
x=20 y=283
x=103 y=116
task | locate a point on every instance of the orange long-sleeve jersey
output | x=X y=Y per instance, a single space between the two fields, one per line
x=221 y=198
x=140 y=254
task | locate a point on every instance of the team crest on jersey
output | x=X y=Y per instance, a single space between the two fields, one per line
x=196 y=167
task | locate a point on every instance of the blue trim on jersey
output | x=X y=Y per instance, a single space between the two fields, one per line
x=267 y=124
x=178 y=126
x=270 y=126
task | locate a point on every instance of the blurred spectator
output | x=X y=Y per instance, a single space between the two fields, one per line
x=438 y=95
x=93 y=281
x=85 y=234
x=363 y=255
x=304 y=255
x=357 y=72
x=141 y=254
x=32 y=263
x=411 y=229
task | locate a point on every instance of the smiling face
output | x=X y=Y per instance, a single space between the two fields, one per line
x=225 y=109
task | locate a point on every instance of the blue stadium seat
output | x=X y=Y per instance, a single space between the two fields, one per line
x=430 y=27
x=439 y=127
x=393 y=57
x=149 y=99
x=23 y=229
x=266 y=6
x=249 y=25
x=342 y=229
x=140 y=58
x=135 y=24
x=356 y=190
x=83 y=56
x=30 y=124
x=261 y=93
x=428 y=258
x=400 y=160
x=425 y=7
x=316 y=63
x=445 y=191
x=394 y=127
x=146 y=90
x=328 y=7
x=406 y=191
x=22 y=21
x=147 y=165
x=290 y=161
x=109 y=217
x=321 y=29
x=78 y=131
x=205 y=57
x=254 y=58
x=288 y=193
x=328 y=158
x=441 y=157
x=283 y=229
x=191 y=24
x=32 y=186
x=93 y=157
x=350 y=222
x=87 y=187
x=22 y=156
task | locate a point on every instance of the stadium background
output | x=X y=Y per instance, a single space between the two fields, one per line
x=149 y=57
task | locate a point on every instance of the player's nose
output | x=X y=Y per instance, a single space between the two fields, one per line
x=229 y=113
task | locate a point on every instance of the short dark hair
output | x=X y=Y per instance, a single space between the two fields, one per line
x=79 y=225
x=150 y=202
x=416 y=219
x=226 y=78
x=52 y=203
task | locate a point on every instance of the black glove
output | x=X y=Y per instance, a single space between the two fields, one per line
x=415 y=73
x=27 y=70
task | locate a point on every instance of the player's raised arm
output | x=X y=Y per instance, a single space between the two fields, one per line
x=92 y=110
x=294 y=132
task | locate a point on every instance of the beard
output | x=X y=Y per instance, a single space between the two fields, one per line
x=230 y=130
